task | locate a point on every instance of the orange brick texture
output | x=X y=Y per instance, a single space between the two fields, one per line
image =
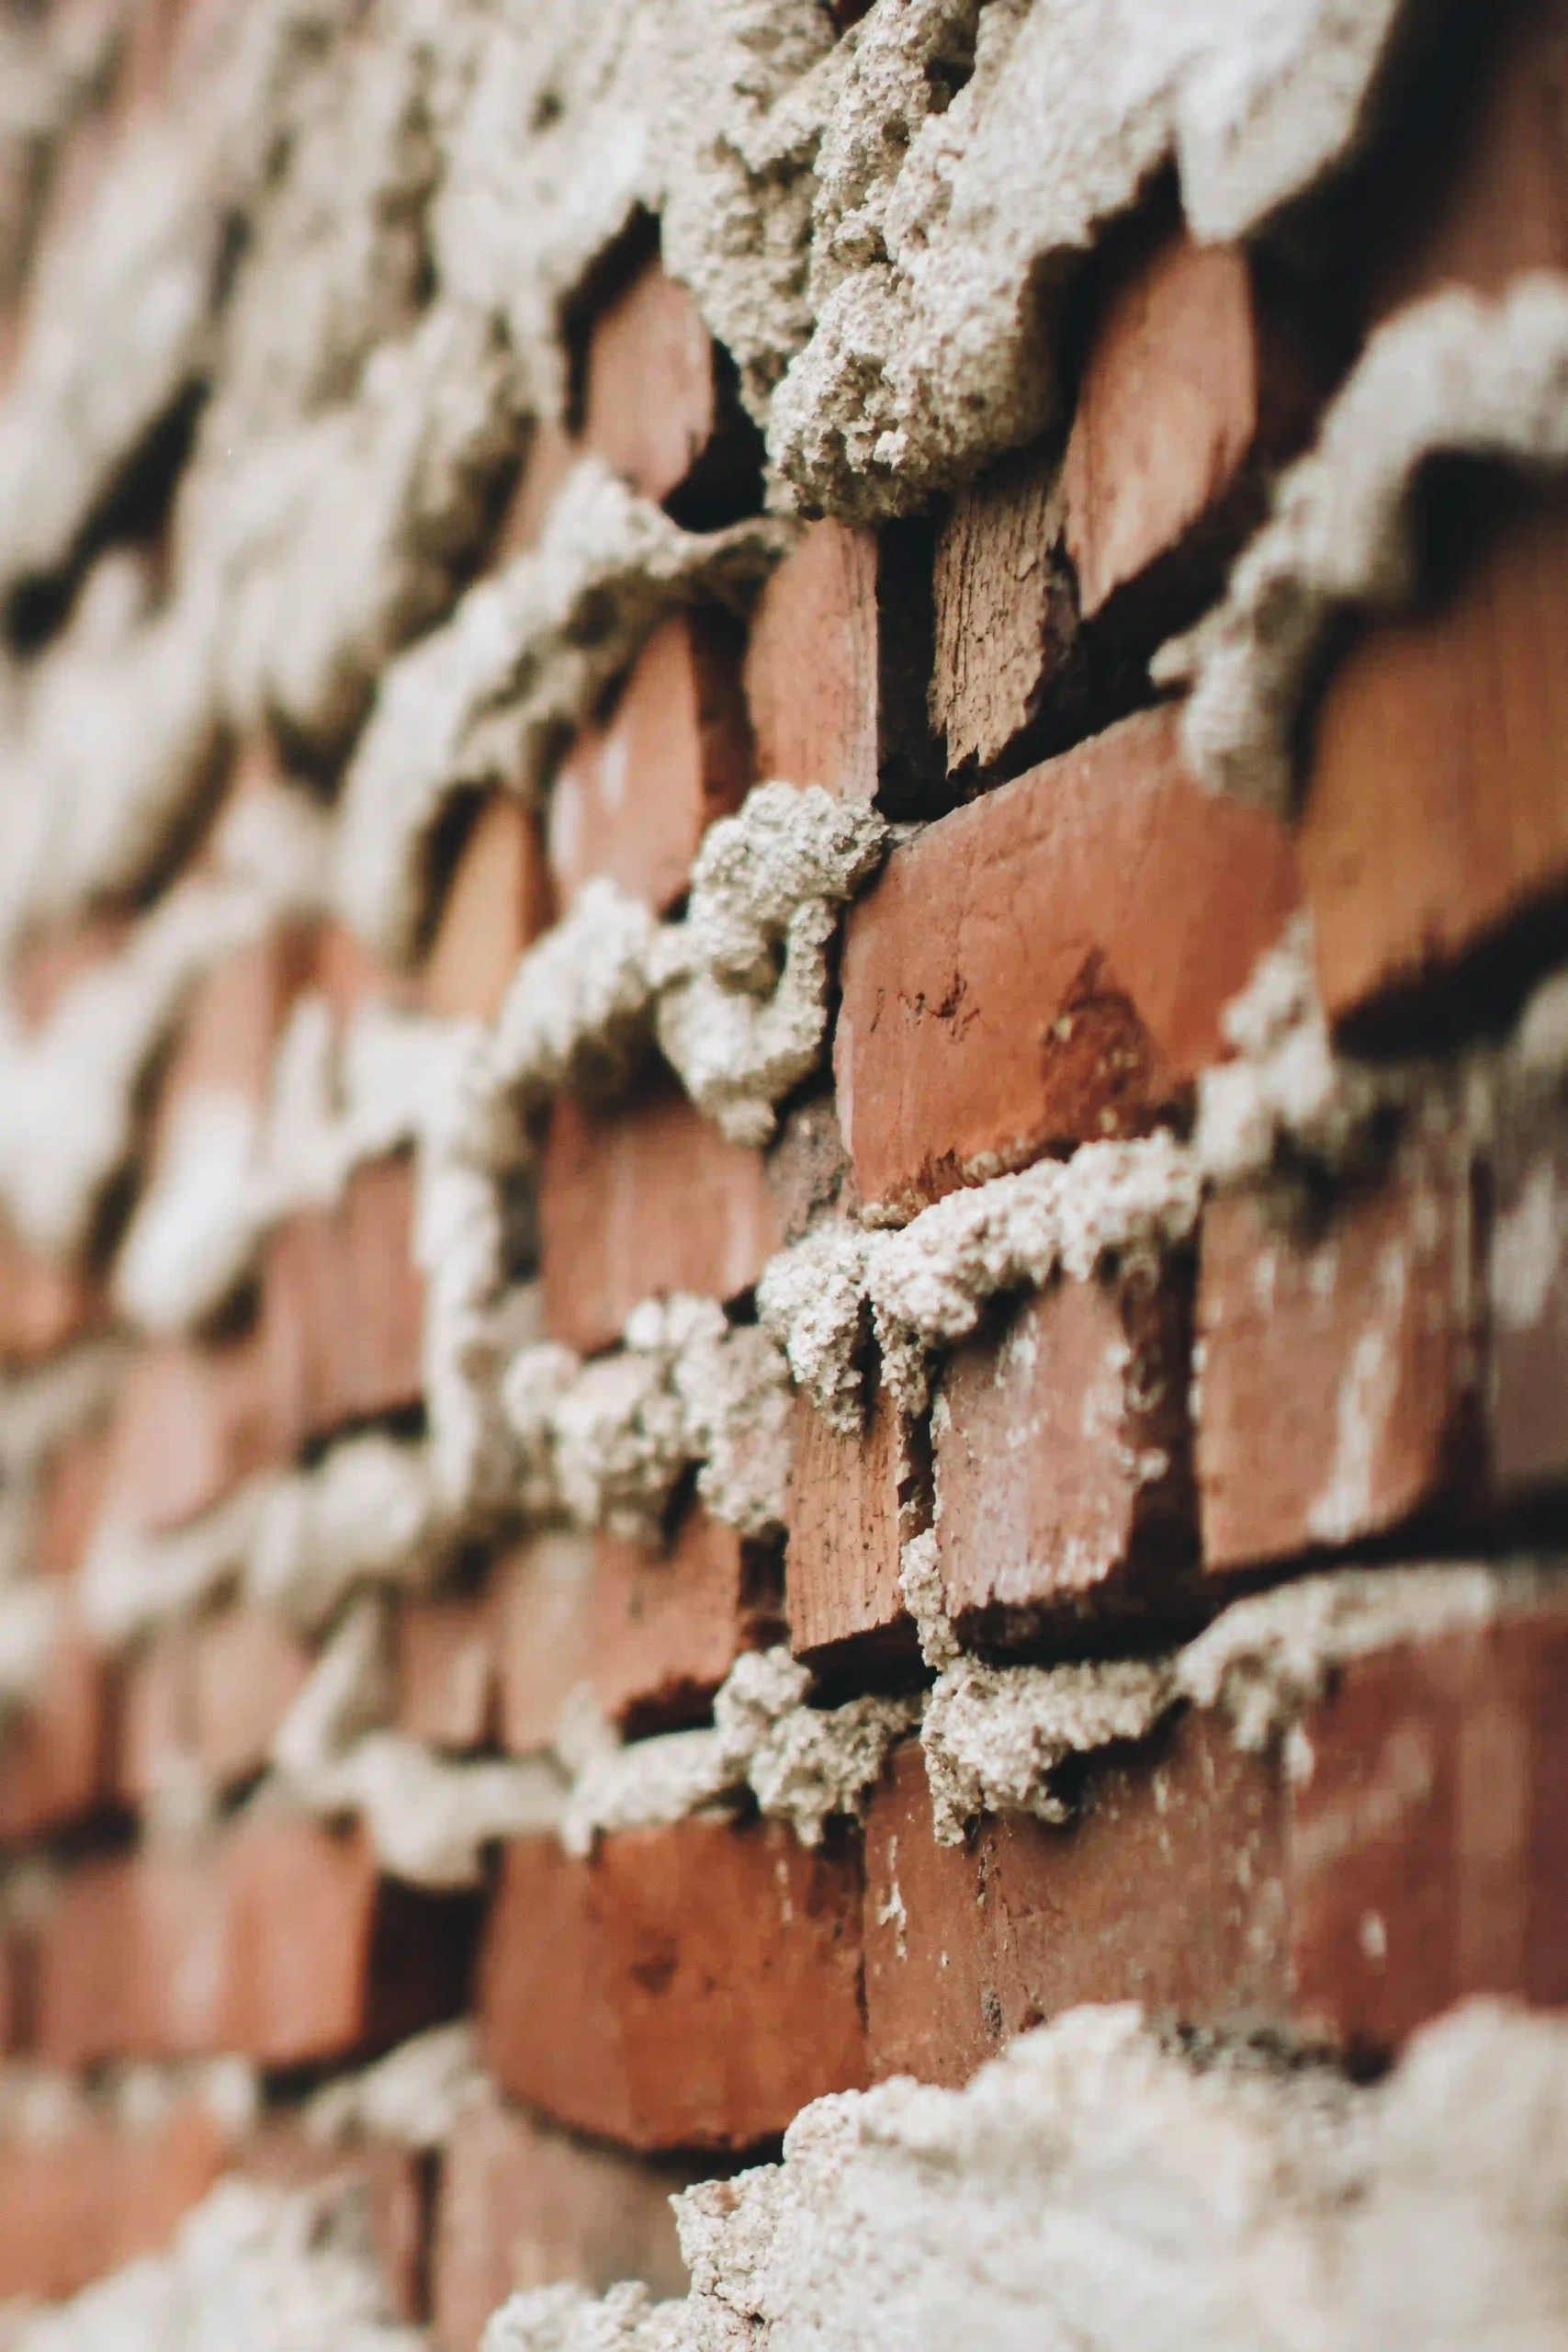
x=298 y=1585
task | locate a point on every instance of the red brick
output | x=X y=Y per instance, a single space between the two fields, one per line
x=192 y=1421
x=279 y=1943
x=522 y=2205
x=446 y=1669
x=544 y=1592
x=74 y=2209
x=816 y=621
x=69 y=1497
x=56 y=2203
x=248 y=1668
x=142 y=84
x=1189 y=391
x=228 y=1040
x=42 y=1304
x=52 y=960
x=54 y=1755
x=639 y=789
x=552 y=453
x=642 y=1201
x=1430 y=1844
x=1341 y=1357
x=154 y=1736
x=206 y=1698
x=1062 y=1458
x=16 y=1988
x=346 y=972
x=664 y=1628
x=1434 y=827
x=1056 y=571
x=850 y=1497
x=383 y=1371
x=684 y=1987
x=326 y=1958
x=651 y=403
x=651 y=1633
x=1010 y=682
x=343 y=1306
x=969 y=1040
x=497 y=903
x=1526 y=1398
x=1165 y=1888
x=133 y=1961
x=165 y=51
x=839 y=664
x=1472 y=187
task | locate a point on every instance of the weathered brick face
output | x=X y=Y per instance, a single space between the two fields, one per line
x=1049 y=966
x=783 y=1174
x=1062 y=1459
x=718 y=1974
x=853 y=1499
x=1381 y=1304
x=968 y=1946
x=1425 y=1832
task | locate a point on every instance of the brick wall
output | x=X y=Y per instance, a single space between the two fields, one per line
x=783 y=1171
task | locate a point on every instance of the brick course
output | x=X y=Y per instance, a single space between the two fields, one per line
x=1402 y=1852
x=282 y=1945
